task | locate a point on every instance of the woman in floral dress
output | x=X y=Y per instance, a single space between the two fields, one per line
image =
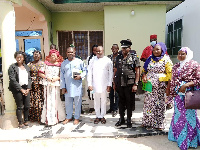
x=37 y=89
x=185 y=126
x=53 y=110
x=157 y=70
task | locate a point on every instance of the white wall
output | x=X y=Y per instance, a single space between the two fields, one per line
x=189 y=11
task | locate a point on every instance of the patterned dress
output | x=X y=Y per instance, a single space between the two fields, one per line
x=36 y=93
x=185 y=126
x=154 y=103
x=53 y=109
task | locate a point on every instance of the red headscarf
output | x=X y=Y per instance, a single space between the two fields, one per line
x=153 y=36
x=59 y=58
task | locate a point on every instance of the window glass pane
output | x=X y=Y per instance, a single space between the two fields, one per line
x=169 y=47
x=81 y=43
x=64 y=41
x=179 y=37
x=96 y=38
x=30 y=45
x=28 y=33
x=175 y=50
x=17 y=44
x=175 y=38
x=178 y=24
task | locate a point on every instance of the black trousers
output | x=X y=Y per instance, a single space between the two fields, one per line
x=23 y=104
x=126 y=101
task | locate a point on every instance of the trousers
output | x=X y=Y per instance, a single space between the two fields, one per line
x=100 y=104
x=126 y=101
x=23 y=105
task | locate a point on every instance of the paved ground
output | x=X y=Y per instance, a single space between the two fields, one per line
x=97 y=136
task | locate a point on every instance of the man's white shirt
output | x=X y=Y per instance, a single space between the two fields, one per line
x=100 y=74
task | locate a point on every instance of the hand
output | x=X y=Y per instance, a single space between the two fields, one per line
x=167 y=91
x=27 y=91
x=108 y=88
x=134 y=88
x=144 y=78
x=23 y=91
x=183 y=88
x=64 y=90
x=49 y=79
x=77 y=77
x=90 y=88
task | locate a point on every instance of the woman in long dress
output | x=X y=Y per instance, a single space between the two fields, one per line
x=53 y=110
x=37 y=89
x=157 y=71
x=185 y=126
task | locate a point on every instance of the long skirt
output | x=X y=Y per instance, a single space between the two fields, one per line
x=53 y=109
x=185 y=126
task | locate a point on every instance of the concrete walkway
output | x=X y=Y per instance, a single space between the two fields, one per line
x=86 y=127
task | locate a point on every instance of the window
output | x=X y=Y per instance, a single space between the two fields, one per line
x=174 y=37
x=82 y=40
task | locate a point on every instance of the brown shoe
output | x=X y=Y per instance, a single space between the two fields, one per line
x=66 y=121
x=76 y=121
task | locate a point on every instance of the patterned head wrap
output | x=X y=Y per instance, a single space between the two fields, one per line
x=164 y=50
x=59 y=59
x=54 y=51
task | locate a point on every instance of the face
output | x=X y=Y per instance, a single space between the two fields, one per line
x=115 y=49
x=125 y=50
x=181 y=56
x=53 y=57
x=157 y=51
x=20 y=58
x=99 y=52
x=70 y=53
x=36 y=56
x=94 y=50
x=153 y=40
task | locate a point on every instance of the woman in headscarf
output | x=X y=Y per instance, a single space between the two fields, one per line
x=185 y=126
x=157 y=72
x=53 y=110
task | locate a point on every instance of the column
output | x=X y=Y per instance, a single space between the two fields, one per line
x=8 y=47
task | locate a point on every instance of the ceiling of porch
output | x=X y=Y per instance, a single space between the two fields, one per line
x=82 y=7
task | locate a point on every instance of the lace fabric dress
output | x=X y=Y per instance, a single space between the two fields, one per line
x=53 y=109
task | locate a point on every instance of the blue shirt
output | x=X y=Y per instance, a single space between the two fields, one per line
x=74 y=87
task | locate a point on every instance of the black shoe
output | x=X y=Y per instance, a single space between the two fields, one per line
x=129 y=124
x=114 y=113
x=120 y=122
x=91 y=110
x=109 y=111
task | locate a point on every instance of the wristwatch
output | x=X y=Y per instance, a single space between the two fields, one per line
x=136 y=83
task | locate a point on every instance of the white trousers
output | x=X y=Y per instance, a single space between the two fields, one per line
x=100 y=104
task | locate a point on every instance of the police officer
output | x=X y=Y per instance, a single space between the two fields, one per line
x=126 y=77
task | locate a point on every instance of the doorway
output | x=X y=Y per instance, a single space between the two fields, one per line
x=28 y=42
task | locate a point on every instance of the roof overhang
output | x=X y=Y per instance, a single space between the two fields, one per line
x=98 y=5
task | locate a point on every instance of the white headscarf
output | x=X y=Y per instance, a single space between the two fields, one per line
x=189 y=56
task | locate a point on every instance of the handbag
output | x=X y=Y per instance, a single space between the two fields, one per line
x=192 y=99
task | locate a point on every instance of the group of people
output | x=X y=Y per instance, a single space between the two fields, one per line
x=36 y=87
x=167 y=80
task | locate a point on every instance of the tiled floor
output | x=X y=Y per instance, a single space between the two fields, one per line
x=86 y=127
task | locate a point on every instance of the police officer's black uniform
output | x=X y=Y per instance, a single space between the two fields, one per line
x=124 y=81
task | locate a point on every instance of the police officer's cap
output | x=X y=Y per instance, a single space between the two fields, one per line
x=125 y=43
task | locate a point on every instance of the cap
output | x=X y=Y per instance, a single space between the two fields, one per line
x=125 y=43
x=153 y=36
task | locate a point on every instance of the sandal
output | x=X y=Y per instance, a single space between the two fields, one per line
x=96 y=121
x=103 y=120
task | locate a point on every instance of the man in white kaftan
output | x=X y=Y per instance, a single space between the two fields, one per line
x=100 y=75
